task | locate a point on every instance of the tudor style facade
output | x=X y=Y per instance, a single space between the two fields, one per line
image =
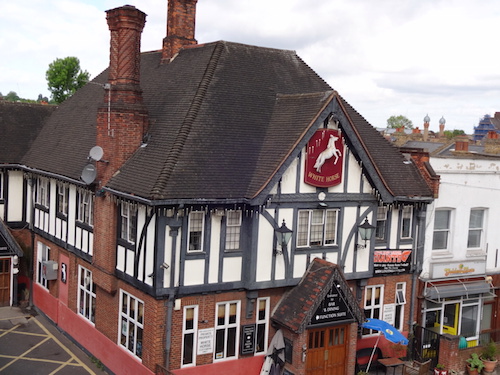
x=155 y=196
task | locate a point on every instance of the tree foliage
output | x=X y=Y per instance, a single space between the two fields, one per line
x=450 y=134
x=12 y=96
x=399 y=122
x=64 y=77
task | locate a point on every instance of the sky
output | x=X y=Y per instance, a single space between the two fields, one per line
x=385 y=57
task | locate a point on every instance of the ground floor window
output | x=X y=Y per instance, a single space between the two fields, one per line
x=374 y=297
x=189 y=328
x=131 y=323
x=226 y=329
x=455 y=316
x=262 y=325
x=43 y=253
x=86 y=294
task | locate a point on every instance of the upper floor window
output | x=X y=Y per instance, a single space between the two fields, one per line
x=442 y=221
x=380 y=231
x=128 y=222
x=42 y=191
x=62 y=198
x=406 y=221
x=85 y=203
x=374 y=297
x=131 y=323
x=226 y=329
x=195 y=231
x=233 y=230
x=317 y=227
x=86 y=294
x=476 y=228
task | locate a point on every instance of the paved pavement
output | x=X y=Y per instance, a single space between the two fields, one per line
x=31 y=345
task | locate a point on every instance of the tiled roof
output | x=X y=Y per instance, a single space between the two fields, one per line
x=224 y=118
x=297 y=307
x=20 y=124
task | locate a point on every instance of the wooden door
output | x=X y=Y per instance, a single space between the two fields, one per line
x=5 y=282
x=327 y=351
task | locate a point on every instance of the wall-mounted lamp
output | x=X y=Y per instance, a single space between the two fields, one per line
x=365 y=231
x=283 y=235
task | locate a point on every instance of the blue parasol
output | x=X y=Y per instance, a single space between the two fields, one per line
x=390 y=333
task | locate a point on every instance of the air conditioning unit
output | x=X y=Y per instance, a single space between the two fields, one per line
x=49 y=269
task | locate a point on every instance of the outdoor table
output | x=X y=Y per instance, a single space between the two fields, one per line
x=390 y=363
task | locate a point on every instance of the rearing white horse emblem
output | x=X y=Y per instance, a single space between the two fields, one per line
x=330 y=151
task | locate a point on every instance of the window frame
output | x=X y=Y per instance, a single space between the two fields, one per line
x=128 y=222
x=262 y=325
x=85 y=202
x=400 y=302
x=189 y=331
x=62 y=201
x=233 y=231
x=86 y=307
x=479 y=229
x=2 y=181
x=382 y=223
x=373 y=310
x=446 y=231
x=304 y=226
x=124 y=331
x=201 y=225
x=42 y=195
x=406 y=230
x=42 y=255
x=226 y=327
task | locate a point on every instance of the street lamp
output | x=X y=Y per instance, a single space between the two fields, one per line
x=283 y=235
x=365 y=231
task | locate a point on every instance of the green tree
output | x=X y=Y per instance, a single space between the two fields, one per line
x=64 y=77
x=12 y=96
x=399 y=122
x=450 y=134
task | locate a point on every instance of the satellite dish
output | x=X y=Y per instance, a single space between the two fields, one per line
x=89 y=174
x=96 y=153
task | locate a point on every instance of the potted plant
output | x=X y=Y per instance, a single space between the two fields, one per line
x=475 y=364
x=489 y=356
x=440 y=370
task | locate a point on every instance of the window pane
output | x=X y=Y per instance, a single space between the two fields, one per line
x=442 y=220
x=331 y=223
x=303 y=228
x=440 y=240
x=188 y=349
x=476 y=219
x=195 y=230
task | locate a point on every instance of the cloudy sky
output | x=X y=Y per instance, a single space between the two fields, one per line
x=385 y=57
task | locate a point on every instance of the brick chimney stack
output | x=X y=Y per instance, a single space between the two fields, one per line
x=122 y=119
x=181 y=19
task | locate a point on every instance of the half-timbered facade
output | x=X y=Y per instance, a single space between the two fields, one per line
x=160 y=197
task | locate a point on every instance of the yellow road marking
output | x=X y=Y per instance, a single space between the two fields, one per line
x=22 y=355
x=70 y=353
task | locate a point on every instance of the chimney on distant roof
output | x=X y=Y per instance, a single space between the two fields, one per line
x=442 y=122
x=462 y=143
x=427 y=119
x=181 y=19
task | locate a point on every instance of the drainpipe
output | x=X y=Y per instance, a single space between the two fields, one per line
x=417 y=267
x=168 y=330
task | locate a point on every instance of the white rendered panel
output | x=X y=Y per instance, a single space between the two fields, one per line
x=194 y=272
x=232 y=269
x=120 y=258
x=15 y=189
x=264 y=250
x=129 y=262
